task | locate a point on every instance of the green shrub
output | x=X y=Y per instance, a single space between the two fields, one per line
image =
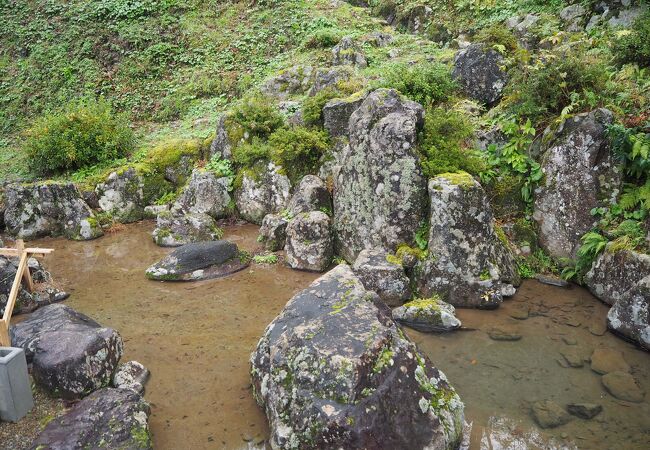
x=254 y=117
x=443 y=141
x=298 y=150
x=247 y=154
x=323 y=38
x=425 y=83
x=499 y=37
x=634 y=47
x=82 y=134
x=312 y=107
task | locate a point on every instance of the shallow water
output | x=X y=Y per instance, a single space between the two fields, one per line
x=197 y=338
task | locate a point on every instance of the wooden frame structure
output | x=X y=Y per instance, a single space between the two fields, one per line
x=22 y=274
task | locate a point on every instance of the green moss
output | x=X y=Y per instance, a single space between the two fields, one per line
x=404 y=250
x=265 y=259
x=384 y=359
x=432 y=302
x=462 y=179
x=141 y=436
x=501 y=235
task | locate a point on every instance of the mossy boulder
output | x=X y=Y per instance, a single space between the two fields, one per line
x=348 y=52
x=427 y=315
x=205 y=193
x=273 y=232
x=480 y=74
x=122 y=196
x=174 y=230
x=334 y=370
x=261 y=191
x=379 y=274
x=309 y=244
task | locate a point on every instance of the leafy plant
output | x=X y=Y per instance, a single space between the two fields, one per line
x=593 y=244
x=220 y=167
x=265 y=259
x=298 y=150
x=425 y=83
x=254 y=117
x=633 y=46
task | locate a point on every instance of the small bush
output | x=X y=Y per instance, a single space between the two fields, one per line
x=247 y=154
x=254 y=118
x=499 y=37
x=634 y=47
x=323 y=38
x=82 y=134
x=298 y=150
x=442 y=146
x=426 y=84
x=312 y=107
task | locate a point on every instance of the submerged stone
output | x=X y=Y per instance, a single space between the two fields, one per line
x=333 y=370
x=605 y=360
x=427 y=315
x=504 y=333
x=623 y=386
x=549 y=414
x=199 y=261
x=584 y=410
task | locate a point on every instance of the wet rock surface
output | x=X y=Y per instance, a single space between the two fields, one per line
x=605 y=360
x=49 y=209
x=385 y=278
x=174 y=230
x=205 y=194
x=630 y=315
x=71 y=354
x=427 y=315
x=199 y=261
x=108 y=418
x=131 y=375
x=549 y=414
x=273 y=232
x=122 y=196
x=579 y=174
x=623 y=386
x=257 y=197
x=334 y=370
x=311 y=194
x=478 y=71
x=309 y=244
x=467 y=264
x=380 y=193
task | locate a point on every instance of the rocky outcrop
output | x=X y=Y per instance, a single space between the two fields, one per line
x=330 y=78
x=479 y=72
x=347 y=52
x=579 y=174
x=468 y=264
x=333 y=370
x=71 y=354
x=309 y=244
x=273 y=232
x=48 y=209
x=199 y=261
x=122 y=196
x=205 y=194
x=176 y=230
x=310 y=195
x=427 y=315
x=380 y=192
x=221 y=145
x=615 y=272
x=337 y=112
x=385 y=278
x=109 y=418
x=630 y=315
x=262 y=194
x=131 y=375
x=573 y=17
x=293 y=81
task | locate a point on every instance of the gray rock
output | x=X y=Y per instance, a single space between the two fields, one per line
x=337 y=112
x=205 y=194
x=380 y=192
x=630 y=315
x=605 y=360
x=467 y=264
x=221 y=145
x=109 y=418
x=176 y=230
x=330 y=78
x=614 y=273
x=48 y=209
x=256 y=198
x=273 y=232
x=333 y=370
x=504 y=333
x=573 y=16
x=293 y=81
x=580 y=171
x=387 y=279
x=131 y=375
x=623 y=386
x=478 y=71
x=311 y=194
x=380 y=39
x=347 y=52
x=122 y=196
x=152 y=211
x=427 y=315
x=549 y=414
x=626 y=17
x=199 y=261
x=584 y=410
x=552 y=281
x=71 y=354
x=309 y=243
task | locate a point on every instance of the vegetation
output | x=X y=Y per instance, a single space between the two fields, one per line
x=427 y=84
x=634 y=46
x=298 y=150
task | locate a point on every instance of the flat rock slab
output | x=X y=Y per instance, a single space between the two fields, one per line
x=199 y=261
x=584 y=410
x=71 y=354
x=549 y=414
x=430 y=315
x=573 y=356
x=623 y=386
x=605 y=360
x=520 y=313
x=552 y=281
x=504 y=334
x=108 y=418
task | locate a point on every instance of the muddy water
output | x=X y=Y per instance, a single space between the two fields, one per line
x=196 y=339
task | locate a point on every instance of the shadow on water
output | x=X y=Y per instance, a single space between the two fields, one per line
x=197 y=337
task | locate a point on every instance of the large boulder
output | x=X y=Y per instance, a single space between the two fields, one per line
x=199 y=261
x=108 y=418
x=468 y=263
x=262 y=193
x=630 y=315
x=311 y=194
x=380 y=192
x=293 y=81
x=427 y=315
x=205 y=194
x=221 y=145
x=347 y=52
x=122 y=196
x=386 y=278
x=333 y=370
x=580 y=174
x=478 y=70
x=330 y=78
x=48 y=209
x=309 y=243
x=615 y=272
x=71 y=354
x=273 y=232
x=337 y=112
x=174 y=230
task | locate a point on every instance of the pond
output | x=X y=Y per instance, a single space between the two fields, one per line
x=196 y=338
